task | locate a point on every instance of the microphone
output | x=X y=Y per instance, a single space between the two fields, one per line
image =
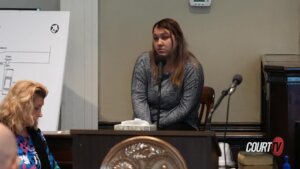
x=236 y=80
x=160 y=62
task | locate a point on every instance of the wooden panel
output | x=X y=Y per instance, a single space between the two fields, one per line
x=199 y=149
x=61 y=147
x=281 y=100
x=61 y=144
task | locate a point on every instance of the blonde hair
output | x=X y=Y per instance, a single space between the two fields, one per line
x=17 y=107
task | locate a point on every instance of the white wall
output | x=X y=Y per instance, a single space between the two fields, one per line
x=228 y=38
x=79 y=108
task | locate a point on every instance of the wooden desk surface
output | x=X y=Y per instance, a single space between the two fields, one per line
x=198 y=148
x=154 y=133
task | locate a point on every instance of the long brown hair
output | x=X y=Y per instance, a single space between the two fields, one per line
x=181 y=54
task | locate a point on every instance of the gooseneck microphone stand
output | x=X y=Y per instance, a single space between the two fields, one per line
x=237 y=79
x=158 y=107
x=160 y=78
x=223 y=94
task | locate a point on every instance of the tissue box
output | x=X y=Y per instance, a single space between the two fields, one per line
x=135 y=128
x=245 y=158
x=256 y=166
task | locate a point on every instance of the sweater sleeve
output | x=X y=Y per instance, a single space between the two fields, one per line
x=139 y=89
x=192 y=87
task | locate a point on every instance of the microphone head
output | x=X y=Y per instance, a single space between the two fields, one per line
x=237 y=79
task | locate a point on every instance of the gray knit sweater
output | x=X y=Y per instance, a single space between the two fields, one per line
x=177 y=104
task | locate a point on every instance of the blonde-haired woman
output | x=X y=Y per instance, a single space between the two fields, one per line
x=20 y=111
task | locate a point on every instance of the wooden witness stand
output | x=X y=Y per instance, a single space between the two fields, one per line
x=89 y=147
x=280 y=100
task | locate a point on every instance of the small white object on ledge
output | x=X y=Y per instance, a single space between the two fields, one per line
x=136 y=124
x=200 y=3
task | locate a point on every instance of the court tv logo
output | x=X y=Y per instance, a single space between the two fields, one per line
x=275 y=147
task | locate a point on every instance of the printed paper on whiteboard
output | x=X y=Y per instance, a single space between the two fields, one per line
x=33 y=46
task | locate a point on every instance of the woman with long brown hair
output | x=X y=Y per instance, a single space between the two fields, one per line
x=172 y=92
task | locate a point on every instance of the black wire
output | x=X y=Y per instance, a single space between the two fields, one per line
x=225 y=130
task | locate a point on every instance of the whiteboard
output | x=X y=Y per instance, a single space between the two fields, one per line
x=33 y=46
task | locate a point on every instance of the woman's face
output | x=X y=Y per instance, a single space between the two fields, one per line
x=38 y=103
x=163 y=41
